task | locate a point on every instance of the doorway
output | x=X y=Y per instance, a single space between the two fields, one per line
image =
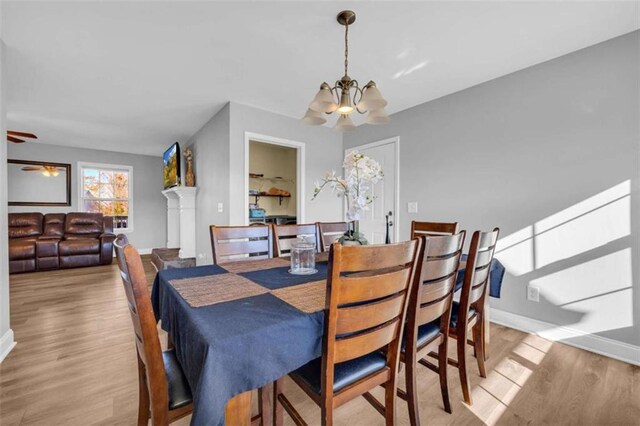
x=385 y=206
x=274 y=180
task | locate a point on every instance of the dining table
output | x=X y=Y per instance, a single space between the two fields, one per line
x=240 y=326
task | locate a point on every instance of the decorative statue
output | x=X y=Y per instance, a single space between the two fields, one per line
x=188 y=156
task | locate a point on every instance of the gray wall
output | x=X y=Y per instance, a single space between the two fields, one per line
x=211 y=166
x=6 y=334
x=220 y=166
x=550 y=154
x=149 y=206
x=323 y=152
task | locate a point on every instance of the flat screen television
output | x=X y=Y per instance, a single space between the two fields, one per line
x=171 y=160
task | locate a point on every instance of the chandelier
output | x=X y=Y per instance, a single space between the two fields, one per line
x=346 y=95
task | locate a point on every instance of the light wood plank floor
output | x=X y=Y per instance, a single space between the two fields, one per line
x=75 y=364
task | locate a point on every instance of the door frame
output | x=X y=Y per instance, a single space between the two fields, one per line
x=396 y=141
x=300 y=170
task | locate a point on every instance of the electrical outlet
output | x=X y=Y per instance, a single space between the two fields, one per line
x=533 y=294
x=220 y=207
x=412 y=207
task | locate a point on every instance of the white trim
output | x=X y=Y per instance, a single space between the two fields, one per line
x=6 y=344
x=394 y=140
x=129 y=169
x=587 y=341
x=300 y=171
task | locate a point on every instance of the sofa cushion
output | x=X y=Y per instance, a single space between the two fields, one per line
x=83 y=223
x=22 y=249
x=25 y=225
x=81 y=236
x=78 y=247
x=54 y=224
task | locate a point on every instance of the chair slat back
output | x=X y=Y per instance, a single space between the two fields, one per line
x=285 y=235
x=330 y=232
x=435 y=284
x=144 y=323
x=367 y=293
x=433 y=228
x=236 y=243
x=477 y=271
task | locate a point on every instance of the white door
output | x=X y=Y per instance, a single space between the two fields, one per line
x=373 y=223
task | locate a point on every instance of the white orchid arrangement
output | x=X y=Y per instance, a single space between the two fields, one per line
x=361 y=174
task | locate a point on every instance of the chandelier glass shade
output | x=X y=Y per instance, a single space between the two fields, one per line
x=346 y=95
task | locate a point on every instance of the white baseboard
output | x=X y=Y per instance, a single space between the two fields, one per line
x=569 y=336
x=6 y=344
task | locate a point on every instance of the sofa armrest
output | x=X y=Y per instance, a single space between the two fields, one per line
x=107 y=224
x=106 y=248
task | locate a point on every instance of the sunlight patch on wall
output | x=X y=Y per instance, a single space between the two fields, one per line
x=589 y=224
x=515 y=251
x=600 y=290
x=410 y=70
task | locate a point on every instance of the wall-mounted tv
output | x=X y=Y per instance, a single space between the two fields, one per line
x=171 y=160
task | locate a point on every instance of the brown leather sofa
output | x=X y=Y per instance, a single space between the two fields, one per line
x=40 y=242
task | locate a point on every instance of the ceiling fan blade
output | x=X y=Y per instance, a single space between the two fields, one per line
x=22 y=134
x=31 y=169
x=16 y=140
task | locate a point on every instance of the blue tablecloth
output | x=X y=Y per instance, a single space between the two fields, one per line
x=496 y=274
x=229 y=348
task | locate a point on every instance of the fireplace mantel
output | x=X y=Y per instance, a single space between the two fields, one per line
x=181 y=219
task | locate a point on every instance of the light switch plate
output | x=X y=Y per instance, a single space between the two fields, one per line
x=412 y=207
x=220 y=207
x=533 y=294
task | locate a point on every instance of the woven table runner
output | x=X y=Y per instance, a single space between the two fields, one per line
x=239 y=267
x=212 y=289
x=308 y=298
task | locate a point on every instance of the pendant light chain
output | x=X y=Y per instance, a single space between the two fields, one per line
x=346 y=49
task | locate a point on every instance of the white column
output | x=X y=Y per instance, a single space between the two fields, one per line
x=173 y=219
x=181 y=219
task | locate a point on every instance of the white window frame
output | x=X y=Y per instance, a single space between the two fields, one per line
x=129 y=169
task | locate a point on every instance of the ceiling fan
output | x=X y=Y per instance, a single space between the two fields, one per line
x=13 y=136
x=46 y=170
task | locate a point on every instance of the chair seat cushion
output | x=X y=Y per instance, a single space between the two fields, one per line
x=22 y=249
x=77 y=247
x=426 y=332
x=345 y=373
x=454 y=314
x=179 y=391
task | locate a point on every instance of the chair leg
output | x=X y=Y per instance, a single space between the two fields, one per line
x=390 y=403
x=462 y=368
x=412 y=392
x=143 y=396
x=277 y=406
x=478 y=345
x=264 y=406
x=442 y=367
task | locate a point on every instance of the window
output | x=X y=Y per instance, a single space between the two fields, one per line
x=107 y=189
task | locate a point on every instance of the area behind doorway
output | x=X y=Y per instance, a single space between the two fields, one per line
x=273 y=196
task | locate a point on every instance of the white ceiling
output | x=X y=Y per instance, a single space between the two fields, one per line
x=135 y=77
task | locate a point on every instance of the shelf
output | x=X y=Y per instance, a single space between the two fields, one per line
x=272 y=179
x=258 y=196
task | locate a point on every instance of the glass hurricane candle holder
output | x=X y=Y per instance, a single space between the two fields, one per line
x=303 y=257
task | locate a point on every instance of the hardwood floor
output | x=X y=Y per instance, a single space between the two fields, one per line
x=75 y=364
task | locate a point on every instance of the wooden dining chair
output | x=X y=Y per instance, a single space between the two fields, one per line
x=433 y=228
x=330 y=232
x=284 y=235
x=468 y=313
x=366 y=301
x=428 y=315
x=163 y=392
x=234 y=243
